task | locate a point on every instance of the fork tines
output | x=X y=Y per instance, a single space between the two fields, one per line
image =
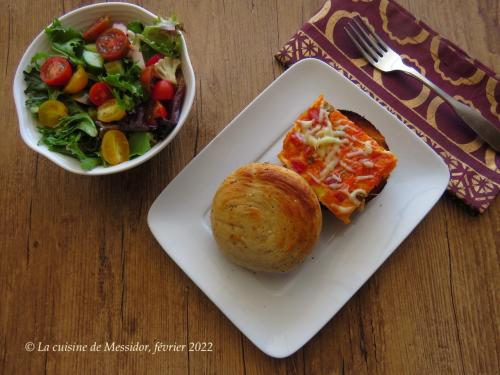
x=368 y=43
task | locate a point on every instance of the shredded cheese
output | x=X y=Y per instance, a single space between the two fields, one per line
x=330 y=166
x=314 y=178
x=328 y=140
x=322 y=114
x=367 y=163
x=367 y=177
x=341 y=122
x=353 y=195
x=343 y=127
x=335 y=185
x=305 y=124
x=341 y=209
x=311 y=141
x=315 y=129
x=346 y=166
x=368 y=147
x=355 y=153
x=335 y=177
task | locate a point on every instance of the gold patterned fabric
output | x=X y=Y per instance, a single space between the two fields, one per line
x=474 y=167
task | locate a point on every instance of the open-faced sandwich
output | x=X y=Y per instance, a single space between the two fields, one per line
x=341 y=155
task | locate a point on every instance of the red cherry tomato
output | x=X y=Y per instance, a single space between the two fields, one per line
x=112 y=44
x=56 y=71
x=159 y=110
x=147 y=76
x=98 y=27
x=163 y=90
x=154 y=59
x=99 y=93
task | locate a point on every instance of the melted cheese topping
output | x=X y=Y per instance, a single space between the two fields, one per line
x=367 y=177
x=367 y=163
x=338 y=159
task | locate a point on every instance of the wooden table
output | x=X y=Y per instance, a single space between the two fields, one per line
x=78 y=263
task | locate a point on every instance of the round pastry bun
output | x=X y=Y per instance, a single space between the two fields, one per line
x=266 y=218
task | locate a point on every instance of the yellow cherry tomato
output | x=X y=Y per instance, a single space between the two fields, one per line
x=110 y=110
x=51 y=111
x=114 y=147
x=78 y=81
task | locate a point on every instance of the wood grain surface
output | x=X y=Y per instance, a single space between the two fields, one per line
x=78 y=263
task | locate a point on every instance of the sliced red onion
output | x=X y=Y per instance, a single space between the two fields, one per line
x=82 y=98
x=137 y=57
x=120 y=26
x=167 y=25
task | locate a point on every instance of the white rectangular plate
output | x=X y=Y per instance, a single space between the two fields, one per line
x=280 y=313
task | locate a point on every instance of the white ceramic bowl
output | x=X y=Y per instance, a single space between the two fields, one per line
x=80 y=19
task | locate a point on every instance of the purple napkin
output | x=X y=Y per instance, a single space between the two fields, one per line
x=474 y=167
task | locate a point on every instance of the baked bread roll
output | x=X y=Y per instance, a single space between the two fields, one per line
x=266 y=218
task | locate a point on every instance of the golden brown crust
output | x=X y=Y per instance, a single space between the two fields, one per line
x=266 y=218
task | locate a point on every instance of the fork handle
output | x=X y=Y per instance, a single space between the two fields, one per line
x=485 y=129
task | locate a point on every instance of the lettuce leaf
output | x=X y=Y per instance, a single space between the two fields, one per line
x=121 y=82
x=140 y=143
x=59 y=33
x=127 y=88
x=163 y=36
x=70 y=49
x=66 y=41
x=147 y=51
x=37 y=59
x=37 y=91
x=135 y=26
x=74 y=135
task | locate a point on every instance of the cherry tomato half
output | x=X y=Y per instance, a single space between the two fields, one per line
x=78 y=81
x=56 y=71
x=159 y=110
x=98 y=27
x=99 y=92
x=112 y=44
x=147 y=77
x=163 y=90
x=114 y=147
x=51 y=111
x=110 y=111
x=154 y=59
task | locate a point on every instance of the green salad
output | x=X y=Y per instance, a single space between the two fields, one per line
x=107 y=94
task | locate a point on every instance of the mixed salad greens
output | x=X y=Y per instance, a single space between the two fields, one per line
x=107 y=94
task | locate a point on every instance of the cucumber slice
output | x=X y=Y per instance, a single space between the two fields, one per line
x=90 y=47
x=93 y=59
x=114 y=67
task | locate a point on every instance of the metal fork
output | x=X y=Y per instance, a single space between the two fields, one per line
x=382 y=57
